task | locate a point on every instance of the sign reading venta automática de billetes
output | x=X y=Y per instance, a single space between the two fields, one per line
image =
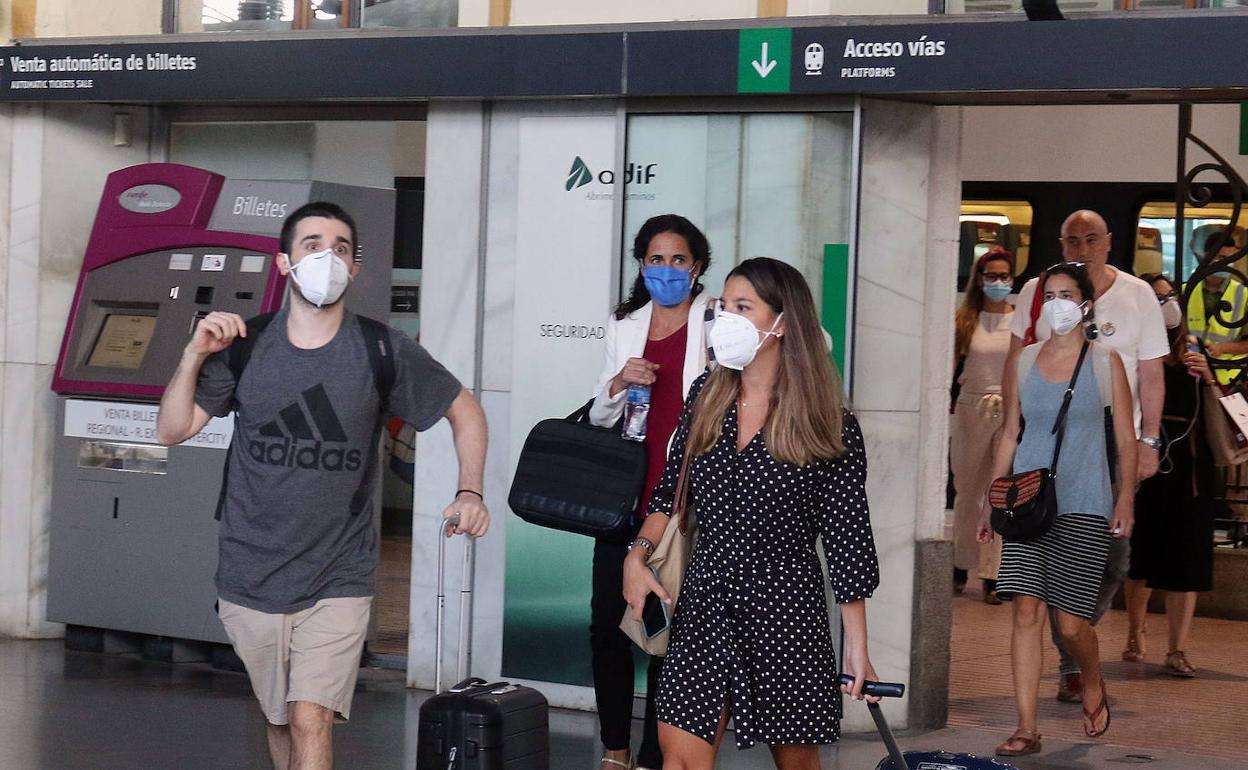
x=339 y=67
x=947 y=55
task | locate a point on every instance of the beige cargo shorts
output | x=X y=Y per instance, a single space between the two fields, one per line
x=312 y=655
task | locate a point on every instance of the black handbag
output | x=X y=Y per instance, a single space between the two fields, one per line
x=578 y=477
x=1024 y=505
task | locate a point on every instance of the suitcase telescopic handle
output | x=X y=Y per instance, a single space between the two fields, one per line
x=881 y=690
x=464 y=660
x=878 y=689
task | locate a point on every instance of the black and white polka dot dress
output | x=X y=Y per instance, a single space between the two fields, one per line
x=751 y=626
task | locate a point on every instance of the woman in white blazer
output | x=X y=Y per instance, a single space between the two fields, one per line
x=656 y=337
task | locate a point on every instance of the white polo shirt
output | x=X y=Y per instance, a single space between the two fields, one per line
x=1128 y=319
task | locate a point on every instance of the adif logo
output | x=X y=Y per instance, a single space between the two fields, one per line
x=579 y=175
x=634 y=173
x=297 y=445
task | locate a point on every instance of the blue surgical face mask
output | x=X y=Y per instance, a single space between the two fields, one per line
x=668 y=286
x=997 y=291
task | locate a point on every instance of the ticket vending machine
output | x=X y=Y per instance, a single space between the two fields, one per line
x=133 y=540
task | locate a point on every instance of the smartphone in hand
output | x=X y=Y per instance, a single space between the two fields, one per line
x=654 y=616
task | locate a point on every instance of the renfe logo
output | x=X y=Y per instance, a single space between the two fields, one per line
x=149 y=198
x=579 y=174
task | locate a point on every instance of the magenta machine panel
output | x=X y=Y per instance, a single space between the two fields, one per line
x=153 y=267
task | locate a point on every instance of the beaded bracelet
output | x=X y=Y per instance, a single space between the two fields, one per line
x=644 y=544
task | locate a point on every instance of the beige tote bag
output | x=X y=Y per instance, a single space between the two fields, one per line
x=670 y=557
x=1221 y=431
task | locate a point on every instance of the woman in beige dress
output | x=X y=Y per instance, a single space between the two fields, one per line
x=982 y=342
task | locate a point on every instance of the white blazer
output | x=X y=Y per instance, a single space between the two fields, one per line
x=626 y=338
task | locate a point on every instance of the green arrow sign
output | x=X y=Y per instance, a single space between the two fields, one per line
x=763 y=61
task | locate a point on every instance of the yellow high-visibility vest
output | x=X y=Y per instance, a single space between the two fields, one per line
x=1210 y=329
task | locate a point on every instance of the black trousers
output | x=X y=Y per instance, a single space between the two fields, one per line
x=612 y=656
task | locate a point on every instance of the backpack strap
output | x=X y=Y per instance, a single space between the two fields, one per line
x=236 y=356
x=381 y=359
x=239 y=352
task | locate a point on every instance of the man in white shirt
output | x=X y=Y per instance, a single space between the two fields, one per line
x=1129 y=320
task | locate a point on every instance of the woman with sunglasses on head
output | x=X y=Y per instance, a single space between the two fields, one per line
x=982 y=341
x=1172 y=543
x=1062 y=567
x=774 y=460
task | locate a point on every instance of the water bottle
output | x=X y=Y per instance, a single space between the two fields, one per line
x=636 y=410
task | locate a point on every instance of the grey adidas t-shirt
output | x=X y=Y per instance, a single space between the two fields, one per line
x=307 y=431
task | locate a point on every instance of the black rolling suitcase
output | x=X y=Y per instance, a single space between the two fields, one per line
x=915 y=760
x=478 y=725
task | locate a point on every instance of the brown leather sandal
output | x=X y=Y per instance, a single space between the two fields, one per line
x=1090 y=717
x=1178 y=665
x=1020 y=744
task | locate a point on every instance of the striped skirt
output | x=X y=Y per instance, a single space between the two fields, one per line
x=1062 y=567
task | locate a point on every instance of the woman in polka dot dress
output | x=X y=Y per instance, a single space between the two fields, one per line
x=776 y=461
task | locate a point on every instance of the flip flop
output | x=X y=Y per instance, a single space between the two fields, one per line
x=1090 y=717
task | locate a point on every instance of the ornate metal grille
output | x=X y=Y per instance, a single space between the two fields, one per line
x=1195 y=193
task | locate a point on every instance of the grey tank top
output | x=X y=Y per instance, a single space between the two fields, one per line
x=1083 y=483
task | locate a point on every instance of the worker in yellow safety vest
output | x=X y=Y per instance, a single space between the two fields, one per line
x=1203 y=318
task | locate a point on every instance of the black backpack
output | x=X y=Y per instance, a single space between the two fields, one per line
x=380 y=357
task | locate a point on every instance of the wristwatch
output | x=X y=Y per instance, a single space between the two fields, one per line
x=1152 y=442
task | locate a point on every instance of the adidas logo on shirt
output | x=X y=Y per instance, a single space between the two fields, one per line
x=299 y=446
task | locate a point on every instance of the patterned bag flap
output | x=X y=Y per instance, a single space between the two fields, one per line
x=1010 y=492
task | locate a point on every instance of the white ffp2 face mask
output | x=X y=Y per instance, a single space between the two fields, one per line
x=735 y=339
x=1062 y=315
x=321 y=277
x=1172 y=314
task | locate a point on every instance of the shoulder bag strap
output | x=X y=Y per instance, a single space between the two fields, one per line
x=680 y=502
x=1059 y=425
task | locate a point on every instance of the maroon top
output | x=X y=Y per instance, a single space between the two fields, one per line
x=667 y=399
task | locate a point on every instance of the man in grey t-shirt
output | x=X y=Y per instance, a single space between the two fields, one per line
x=299 y=544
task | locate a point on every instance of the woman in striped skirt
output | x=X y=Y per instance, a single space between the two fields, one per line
x=1062 y=568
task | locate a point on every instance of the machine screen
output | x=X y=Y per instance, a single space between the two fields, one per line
x=123 y=341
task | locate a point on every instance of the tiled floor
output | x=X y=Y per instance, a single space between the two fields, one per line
x=84 y=711
x=393 y=592
x=1151 y=710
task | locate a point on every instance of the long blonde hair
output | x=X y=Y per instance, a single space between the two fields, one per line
x=968 y=312
x=804 y=422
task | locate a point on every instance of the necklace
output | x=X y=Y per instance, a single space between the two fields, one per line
x=744 y=403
